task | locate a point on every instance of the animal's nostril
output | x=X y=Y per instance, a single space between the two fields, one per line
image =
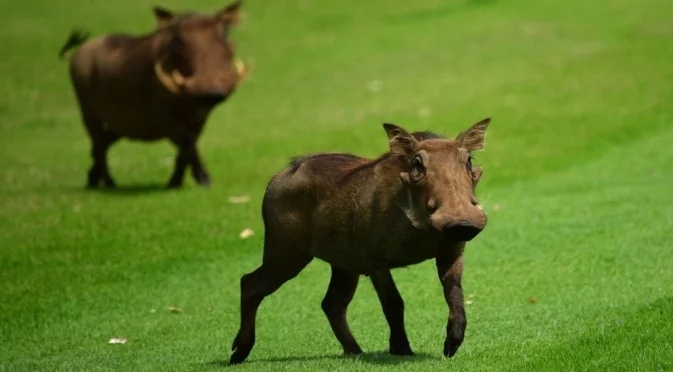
x=463 y=231
x=211 y=98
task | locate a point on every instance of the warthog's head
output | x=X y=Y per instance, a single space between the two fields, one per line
x=194 y=57
x=441 y=180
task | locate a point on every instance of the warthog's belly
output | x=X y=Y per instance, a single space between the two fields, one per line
x=370 y=254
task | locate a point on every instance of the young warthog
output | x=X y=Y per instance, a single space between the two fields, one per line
x=160 y=85
x=366 y=217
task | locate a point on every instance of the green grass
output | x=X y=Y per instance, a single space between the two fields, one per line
x=578 y=159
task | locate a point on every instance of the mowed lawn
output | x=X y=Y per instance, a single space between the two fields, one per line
x=573 y=272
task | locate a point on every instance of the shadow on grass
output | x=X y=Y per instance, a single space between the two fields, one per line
x=379 y=358
x=137 y=189
x=123 y=190
x=133 y=189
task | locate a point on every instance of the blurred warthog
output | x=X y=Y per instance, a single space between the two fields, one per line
x=160 y=85
x=366 y=217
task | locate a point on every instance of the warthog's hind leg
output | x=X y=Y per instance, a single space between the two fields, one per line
x=101 y=140
x=100 y=168
x=393 y=309
x=339 y=294
x=255 y=286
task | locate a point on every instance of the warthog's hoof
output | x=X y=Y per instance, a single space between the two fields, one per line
x=401 y=348
x=353 y=351
x=451 y=346
x=174 y=185
x=95 y=185
x=239 y=355
x=202 y=178
x=241 y=350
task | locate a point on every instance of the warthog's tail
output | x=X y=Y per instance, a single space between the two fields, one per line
x=76 y=38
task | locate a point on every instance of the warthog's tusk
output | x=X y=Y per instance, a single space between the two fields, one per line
x=174 y=82
x=241 y=70
x=178 y=78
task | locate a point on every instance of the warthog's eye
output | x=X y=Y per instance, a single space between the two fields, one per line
x=416 y=166
x=469 y=163
x=417 y=162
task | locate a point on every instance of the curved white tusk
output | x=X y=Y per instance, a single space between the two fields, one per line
x=174 y=82
x=241 y=70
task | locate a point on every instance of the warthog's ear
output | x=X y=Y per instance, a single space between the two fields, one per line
x=163 y=16
x=231 y=15
x=473 y=138
x=400 y=141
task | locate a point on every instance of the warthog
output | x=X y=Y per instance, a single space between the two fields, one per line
x=160 y=85
x=366 y=217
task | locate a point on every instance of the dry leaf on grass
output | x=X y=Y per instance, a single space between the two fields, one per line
x=532 y=300
x=174 y=309
x=246 y=233
x=117 y=341
x=239 y=199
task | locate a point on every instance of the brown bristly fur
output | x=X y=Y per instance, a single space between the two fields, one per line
x=366 y=217
x=162 y=85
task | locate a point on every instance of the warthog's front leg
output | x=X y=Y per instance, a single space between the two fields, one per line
x=188 y=155
x=450 y=270
x=393 y=309
x=199 y=171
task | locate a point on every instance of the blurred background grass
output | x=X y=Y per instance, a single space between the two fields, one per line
x=577 y=183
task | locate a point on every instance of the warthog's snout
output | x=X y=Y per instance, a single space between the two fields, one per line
x=461 y=227
x=462 y=230
x=211 y=97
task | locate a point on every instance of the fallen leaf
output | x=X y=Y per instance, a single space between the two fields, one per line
x=246 y=233
x=175 y=310
x=532 y=300
x=117 y=341
x=240 y=67
x=239 y=199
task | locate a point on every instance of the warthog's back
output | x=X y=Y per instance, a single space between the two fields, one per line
x=316 y=175
x=113 y=75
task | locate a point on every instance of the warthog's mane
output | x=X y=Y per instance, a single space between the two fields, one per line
x=426 y=135
x=420 y=136
x=345 y=158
